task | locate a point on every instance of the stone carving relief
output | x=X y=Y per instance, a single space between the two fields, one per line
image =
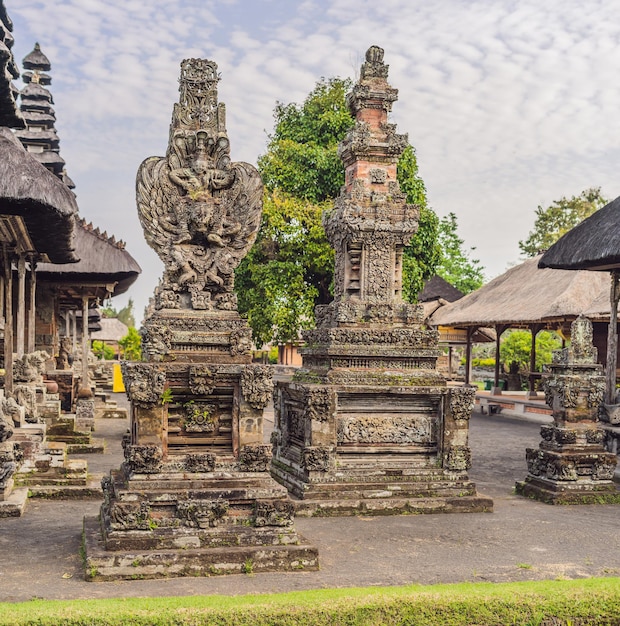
x=65 y=356
x=202 y=513
x=199 y=211
x=200 y=462
x=315 y=458
x=462 y=400
x=254 y=458
x=257 y=385
x=319 y=403
x=200 y=417
x=240 y=342
x=201 y=380
x=144 y=383
x=457 y=458
x=26 y=396
x=378 y=429
x=156 y=340
x=8 y=466
x=143 y=459
x=30 y=367
x=129 y=516
x=273 y=513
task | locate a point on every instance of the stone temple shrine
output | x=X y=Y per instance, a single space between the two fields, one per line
x=194 y=495
x=368 y=425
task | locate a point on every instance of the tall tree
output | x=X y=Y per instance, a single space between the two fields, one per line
x=303 y=173
x=456 y=265
x=559 y=217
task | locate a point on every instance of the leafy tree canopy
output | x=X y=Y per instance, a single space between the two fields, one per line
x=517 y=344
x=456 y=266
x=560 y=217
x=131 y=344
x=290 y=268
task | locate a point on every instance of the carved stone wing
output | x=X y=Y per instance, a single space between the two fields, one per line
x=246 y=208
x=156 y=197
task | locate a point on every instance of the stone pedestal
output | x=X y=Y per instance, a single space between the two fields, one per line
x=194 y=495
x=571 y=464
x=368 y=425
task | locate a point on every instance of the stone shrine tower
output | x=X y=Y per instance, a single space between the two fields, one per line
x=194 y=495
x=368 y=425
x=571 y=464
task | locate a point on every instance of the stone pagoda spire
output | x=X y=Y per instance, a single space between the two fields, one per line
x=368 y=424
x=39 y=136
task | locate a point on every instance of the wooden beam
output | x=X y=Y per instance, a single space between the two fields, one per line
x=612 y=339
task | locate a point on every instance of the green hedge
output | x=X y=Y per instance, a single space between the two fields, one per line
x=566 y=602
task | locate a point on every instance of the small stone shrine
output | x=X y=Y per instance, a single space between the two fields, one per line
x=571 y=464
x=194 y=495
x=368 y=425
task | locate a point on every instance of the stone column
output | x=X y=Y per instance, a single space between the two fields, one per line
x=74 y=331
x=8 y=321
x=85 y=344
x=21 y=305
x=32 y=302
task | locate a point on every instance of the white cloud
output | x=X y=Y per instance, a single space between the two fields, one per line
x=509 y=104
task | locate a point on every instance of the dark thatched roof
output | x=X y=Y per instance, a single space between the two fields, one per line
x=46 y=205
x=592 y=245
x=102 y=260
x=9 y=115
x=524 y=295
x=437 y=287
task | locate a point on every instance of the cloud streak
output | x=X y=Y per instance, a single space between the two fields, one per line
x=509 y=104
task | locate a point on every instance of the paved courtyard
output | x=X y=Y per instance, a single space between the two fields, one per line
x=521 y=540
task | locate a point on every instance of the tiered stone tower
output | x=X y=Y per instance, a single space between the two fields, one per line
x=368 y=425
x=39 y=137
x=571 y=464
x=194 y=495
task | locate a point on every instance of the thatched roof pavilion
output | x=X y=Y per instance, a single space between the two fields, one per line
x=523 y=297
x=595 y=245
x=105 y=267
x=45 y=204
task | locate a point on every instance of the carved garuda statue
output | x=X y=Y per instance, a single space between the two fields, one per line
x=199 y=211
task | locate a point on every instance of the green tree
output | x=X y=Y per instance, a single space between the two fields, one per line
x=287 y=271
x=101 y=350
x=456 y=265
x=517 y=344
x=125 y=315
x=302 y=171
x=560 y=217
x=131 y=344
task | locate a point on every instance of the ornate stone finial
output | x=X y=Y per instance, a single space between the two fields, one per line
x=199 y=211
x=374 y=66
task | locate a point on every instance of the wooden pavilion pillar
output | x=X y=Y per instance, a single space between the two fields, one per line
x=499 y=330
x=32 y=304
x=471 y=330
x=531 y=393
x=8 y=321
x=85 y=343
x=21 y=306
x=612 y=340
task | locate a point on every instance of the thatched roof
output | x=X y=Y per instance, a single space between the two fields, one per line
x=436 y=288
x=524 y=295
x=46 y=205
x=593 y=245
x=9 y=115
x=102 y=260
x=112 y=329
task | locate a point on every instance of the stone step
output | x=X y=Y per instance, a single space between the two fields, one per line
x=101 y=564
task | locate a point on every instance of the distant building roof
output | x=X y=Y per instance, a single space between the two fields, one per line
x=112 y=329
x=9 y=115
x=437 y=287
x=102 y=260
x=524 y=295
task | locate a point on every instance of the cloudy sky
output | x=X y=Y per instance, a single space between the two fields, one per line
x=509 y=103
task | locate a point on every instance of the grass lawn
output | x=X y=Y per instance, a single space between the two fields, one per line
x=546 y=603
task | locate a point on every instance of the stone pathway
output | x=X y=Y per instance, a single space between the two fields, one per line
x=521 y=540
